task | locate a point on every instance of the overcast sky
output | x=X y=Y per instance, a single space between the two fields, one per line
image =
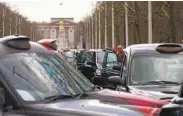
x=43 y=10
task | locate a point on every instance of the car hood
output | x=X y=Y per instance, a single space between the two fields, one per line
x=125 y=98
x=156 y=91
x=82 y=107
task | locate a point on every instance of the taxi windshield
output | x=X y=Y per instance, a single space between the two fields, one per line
x=146 y=69
x=37 y=76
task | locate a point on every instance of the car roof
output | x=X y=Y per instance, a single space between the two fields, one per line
x=147 y=49
x=34 y=46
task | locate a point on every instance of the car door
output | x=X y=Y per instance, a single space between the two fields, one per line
x=123 y=74
x=88 y=70
x=12 y=105
x=110 y=61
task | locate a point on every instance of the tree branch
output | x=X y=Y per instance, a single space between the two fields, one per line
x=158 y=14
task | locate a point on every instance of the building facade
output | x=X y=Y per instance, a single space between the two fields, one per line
x=51 y=30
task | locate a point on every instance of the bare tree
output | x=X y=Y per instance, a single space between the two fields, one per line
x=11 y=22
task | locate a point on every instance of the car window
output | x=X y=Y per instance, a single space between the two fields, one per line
x=37 y=76
x=84 y=83
x=61 y=56
x=82 y=57
x=90 y=53
x=111 y=60
x=111 y=57
x=152 y=68
x=100 y=56
x=69 y=54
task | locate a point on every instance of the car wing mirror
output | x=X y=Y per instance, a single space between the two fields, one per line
x=177 y=100
x=116 y=80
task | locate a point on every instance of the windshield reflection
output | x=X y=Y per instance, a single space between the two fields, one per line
x=37 y=76
x=155 y=68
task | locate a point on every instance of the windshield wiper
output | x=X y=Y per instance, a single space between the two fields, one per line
x=161 y=82
x=78 y=96
x=57 y=97
x=94 y=88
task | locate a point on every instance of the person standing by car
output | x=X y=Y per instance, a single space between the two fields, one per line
x=81 y=58
x=120 y=53
x=114 y=50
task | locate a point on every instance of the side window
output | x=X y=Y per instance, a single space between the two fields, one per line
x=111 y=60
x=100 y=56
x=111 y=57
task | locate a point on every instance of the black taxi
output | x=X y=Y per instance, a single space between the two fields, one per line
x=153 y=70
x=101 y=66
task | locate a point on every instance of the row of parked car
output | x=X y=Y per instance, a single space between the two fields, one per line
x=36 y=79
x=153 y=71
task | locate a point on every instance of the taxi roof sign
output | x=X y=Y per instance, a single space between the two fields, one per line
x=169 y=48
x=16 y=41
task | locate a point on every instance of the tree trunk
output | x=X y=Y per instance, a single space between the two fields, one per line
x=117 y=37
x=137 y=22
x=172 y=22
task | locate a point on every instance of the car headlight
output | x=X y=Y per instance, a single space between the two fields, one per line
x=98 y=72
